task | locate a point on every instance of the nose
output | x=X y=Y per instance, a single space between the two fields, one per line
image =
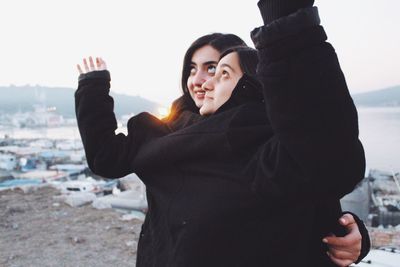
x=199 y=78
x=208 y=85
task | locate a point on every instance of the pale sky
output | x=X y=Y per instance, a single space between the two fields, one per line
x=143 y=42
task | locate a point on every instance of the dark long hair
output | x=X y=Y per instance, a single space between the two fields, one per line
x=248 y=58
x=218 y=41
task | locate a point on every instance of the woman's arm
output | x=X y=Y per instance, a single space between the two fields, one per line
x=108 y=154
x=310 y=110
x=315 y=152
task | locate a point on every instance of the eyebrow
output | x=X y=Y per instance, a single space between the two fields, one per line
x=226 y=65
x=205 y=63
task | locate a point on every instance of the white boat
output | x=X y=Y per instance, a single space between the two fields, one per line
x=82 y=185
x=20 y=151
x=8 y=162
x=126 y=200
x=42 y=143
x=69 y=145
x=73 y=170
x=43 y=175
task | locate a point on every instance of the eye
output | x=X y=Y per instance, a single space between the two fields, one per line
x=225 y=73
x=211 y=69
x=192 y=70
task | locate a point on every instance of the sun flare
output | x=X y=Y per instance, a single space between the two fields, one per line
x=163 y=112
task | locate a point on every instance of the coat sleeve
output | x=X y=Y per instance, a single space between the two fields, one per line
x=108 y=154
x=315 y=150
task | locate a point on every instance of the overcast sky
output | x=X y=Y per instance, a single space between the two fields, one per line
x=143 y=42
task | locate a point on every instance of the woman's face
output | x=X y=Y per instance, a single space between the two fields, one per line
x=219 y=88
x=202 y=67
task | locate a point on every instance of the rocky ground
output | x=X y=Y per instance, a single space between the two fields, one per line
x=37 y=229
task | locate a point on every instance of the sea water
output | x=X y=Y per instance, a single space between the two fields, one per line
x=379 y=133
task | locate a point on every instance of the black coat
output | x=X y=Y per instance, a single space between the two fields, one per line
x=257 y=184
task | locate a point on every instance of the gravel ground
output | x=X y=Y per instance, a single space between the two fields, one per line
x=36 y=229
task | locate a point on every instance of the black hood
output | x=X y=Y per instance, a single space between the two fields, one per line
x=248 y=89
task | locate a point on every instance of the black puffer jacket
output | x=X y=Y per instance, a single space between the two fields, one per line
x=257 y=184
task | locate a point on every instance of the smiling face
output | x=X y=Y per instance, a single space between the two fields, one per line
x=202 y=68
x=219 y=88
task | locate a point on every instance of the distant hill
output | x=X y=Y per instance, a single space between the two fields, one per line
x=22 y=98
x=388 y=97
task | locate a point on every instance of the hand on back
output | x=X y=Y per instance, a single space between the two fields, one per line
x=343 y=251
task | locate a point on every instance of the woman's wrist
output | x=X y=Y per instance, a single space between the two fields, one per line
x=97 y=74
x=275 y=9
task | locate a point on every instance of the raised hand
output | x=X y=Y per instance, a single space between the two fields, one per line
x=100 y=65
x=343 y=251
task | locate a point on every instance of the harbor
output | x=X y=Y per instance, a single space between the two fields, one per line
x=55 y=210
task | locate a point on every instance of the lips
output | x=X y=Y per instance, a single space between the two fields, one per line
x=200 y=94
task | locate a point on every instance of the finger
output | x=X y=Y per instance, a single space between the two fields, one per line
x=333 y=240
x=337 y=241
x=346 y=251
x=85 y=65
x=79 y=69
x=352 y=228
x=91 y=64
x=343 y=255
x=346 y=219
x=98 y=63
x=352 y=239
x=103 y=64
x=339 y=262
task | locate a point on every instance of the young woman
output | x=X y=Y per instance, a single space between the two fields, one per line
x=227 y=87
x=199 y=66
x=138 y=149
